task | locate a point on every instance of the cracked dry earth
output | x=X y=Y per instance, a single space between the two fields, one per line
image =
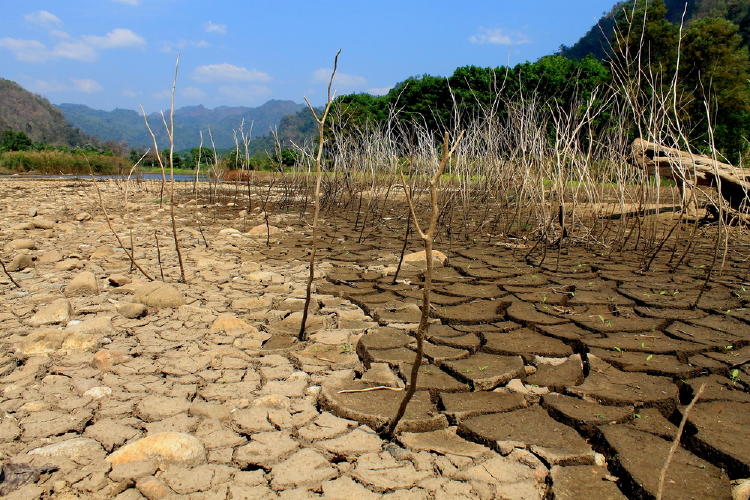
x=559 y=382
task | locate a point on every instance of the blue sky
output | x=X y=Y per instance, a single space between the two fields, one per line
x=121 y=53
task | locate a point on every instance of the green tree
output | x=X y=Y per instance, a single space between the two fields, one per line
x=715 y=68
x=11 y=140
x=644 y=34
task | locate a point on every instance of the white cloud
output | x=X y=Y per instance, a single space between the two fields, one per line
x=379 y=90
x=116 y=39
x=212 y=27
x=497 y=36
x=87 y=86
x=60 y=34
x=249 y=94
x=43 y=18
x=45 y=87
x=192 y=93
x=226 y=72
x=77 y=50
x=182 y=44
x=344 y=80
x=130 y=93
x=84 y=49
x=25 y=50
x=84 y=85
x=128 y=2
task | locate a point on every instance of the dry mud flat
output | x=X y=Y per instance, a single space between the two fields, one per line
x=562 y=381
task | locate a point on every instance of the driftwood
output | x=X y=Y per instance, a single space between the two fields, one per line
x=690 y=170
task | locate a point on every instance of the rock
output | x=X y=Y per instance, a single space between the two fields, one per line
x=98 y=392
x=20 y=244
x=58 y=311
x=443 y=441
x=43 y=341
x=76 y=449
x=50 y=257
x=84 y=283
x=306 y=468
x=117 y=280
x=20 y=262
x=232 y=325
x=153 y=488
x=132 y=311
x=102 y=252
x=105 y=359
x=741 y=489
x=40 y=223
x=98 y=325
x=418 y=258
x=76 y=341
x=263 y=230
x=175 y=447
x=158 y=294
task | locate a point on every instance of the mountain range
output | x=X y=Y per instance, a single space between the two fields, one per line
x=127 y=126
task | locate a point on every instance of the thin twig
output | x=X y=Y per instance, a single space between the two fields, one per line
x=676 y=443
x=377 y=388
x=8 y=274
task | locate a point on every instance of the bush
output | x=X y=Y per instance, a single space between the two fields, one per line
x=60 y=162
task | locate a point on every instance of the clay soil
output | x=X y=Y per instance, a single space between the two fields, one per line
x=556 y=379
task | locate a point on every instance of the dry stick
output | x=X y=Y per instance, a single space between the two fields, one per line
x=117 y=236
x=158 y=255
x=676 y=443
x=427 y=240
x=200 y=229
x=316 y=202
x=8 y=274
x=171 y=173
x=403 y=249
x=132 y=250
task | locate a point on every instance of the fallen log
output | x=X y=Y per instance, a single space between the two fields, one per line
x=689 y=169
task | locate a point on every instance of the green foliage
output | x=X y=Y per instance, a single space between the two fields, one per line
x=56 y=161
x=553 y=80
x=10 y=140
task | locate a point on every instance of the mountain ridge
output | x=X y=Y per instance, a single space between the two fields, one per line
x=125 y=125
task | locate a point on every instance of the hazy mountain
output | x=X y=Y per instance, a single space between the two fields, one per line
x=124 y=125
x=596 y=40
x=34 y=115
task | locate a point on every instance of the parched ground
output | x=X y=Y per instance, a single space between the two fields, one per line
x=563 y=381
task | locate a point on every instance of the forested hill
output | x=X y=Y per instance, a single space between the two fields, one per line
x=596 y=40
x=22 y=111
x=124 y=125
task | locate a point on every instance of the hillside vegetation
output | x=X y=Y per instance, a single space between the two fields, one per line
x=597 y=41
x=42 y=122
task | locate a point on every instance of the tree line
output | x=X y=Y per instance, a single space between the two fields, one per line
x=703 y=65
